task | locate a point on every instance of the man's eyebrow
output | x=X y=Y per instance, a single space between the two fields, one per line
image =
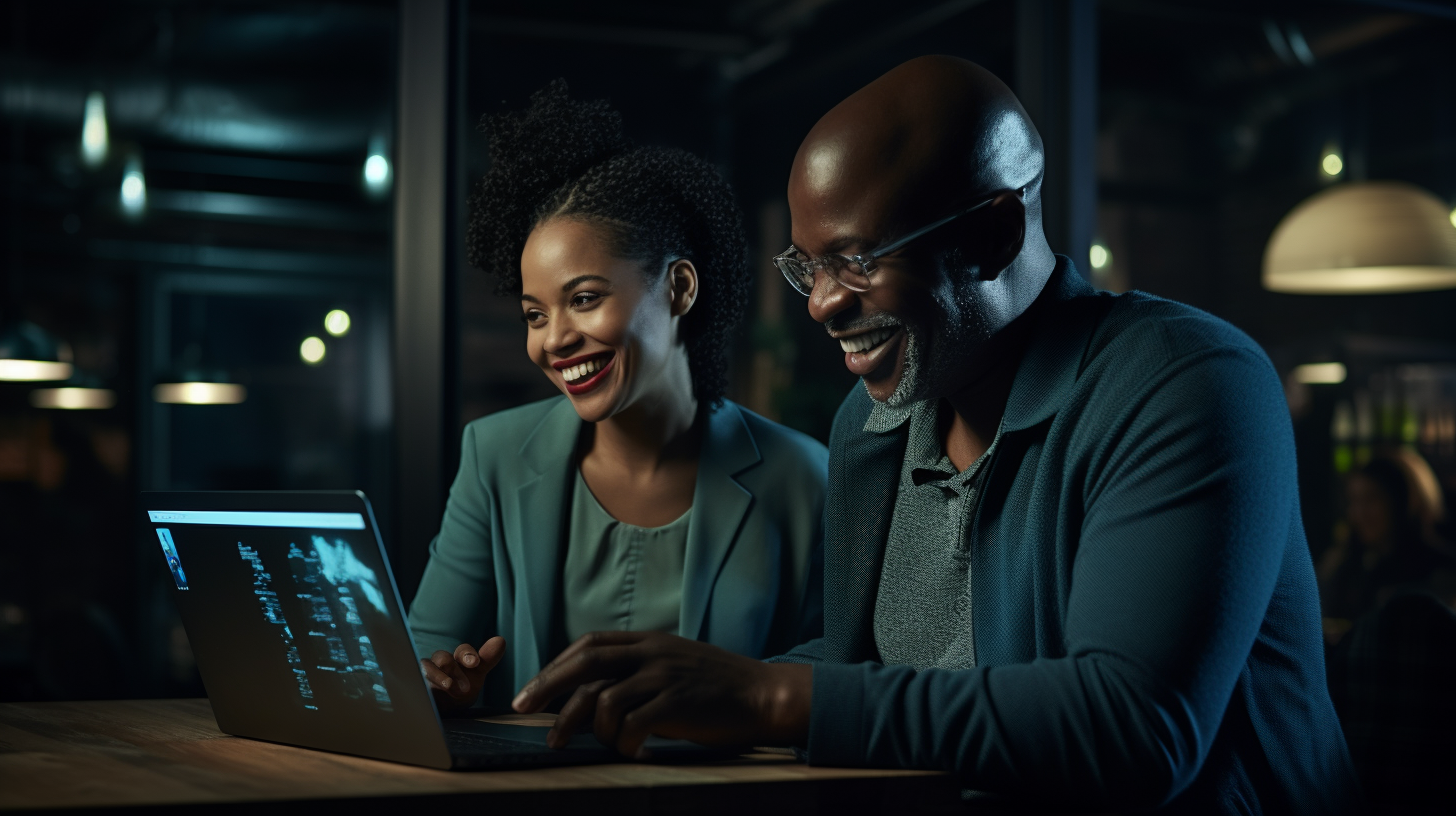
x=844 y=242
x=580 y=279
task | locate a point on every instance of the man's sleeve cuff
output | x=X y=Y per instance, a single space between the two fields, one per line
x=837 y=716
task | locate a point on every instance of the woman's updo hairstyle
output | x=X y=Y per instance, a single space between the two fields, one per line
x=568 y=158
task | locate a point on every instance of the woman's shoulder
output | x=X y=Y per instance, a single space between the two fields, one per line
x=781 y=446
x=502 y=437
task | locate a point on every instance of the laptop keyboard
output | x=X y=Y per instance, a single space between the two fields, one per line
x=466 y=742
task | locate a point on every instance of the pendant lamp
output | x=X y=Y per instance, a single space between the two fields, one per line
x=1362 y=238
x=28 y=354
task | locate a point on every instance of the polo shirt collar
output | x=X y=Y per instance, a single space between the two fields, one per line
x=1048 y=369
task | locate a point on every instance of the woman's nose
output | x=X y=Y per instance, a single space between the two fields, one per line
x=561 y=337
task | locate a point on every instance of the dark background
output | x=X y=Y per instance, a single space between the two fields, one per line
x=1179 y=135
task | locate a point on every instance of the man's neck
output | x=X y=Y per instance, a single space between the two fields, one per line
x=969 y=428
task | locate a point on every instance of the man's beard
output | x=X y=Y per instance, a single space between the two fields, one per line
x=936 y=351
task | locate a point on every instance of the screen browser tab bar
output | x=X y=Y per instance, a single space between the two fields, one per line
x=312 y=521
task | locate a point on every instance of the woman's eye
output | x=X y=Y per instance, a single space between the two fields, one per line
x=532 y=316
x=584 y=298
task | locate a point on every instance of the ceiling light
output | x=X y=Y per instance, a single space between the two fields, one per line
x=337 y=322
x=28 y=354
x=1361 y=238
x=94 y=138
x=312 y=350
x=199 y=393
x=1320 y=373
x=73 y=399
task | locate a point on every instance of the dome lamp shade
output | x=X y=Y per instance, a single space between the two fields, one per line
x=28 y=354
x=1362 y=238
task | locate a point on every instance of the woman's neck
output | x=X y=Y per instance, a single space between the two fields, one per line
x=657 y=427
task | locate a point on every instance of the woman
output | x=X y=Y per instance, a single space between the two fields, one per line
x=1386 y=550
x=641 y=499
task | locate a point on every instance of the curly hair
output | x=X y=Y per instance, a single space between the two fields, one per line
x=565 y=158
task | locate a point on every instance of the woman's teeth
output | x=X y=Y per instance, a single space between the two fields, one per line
x=585 y=369
x=868 y=340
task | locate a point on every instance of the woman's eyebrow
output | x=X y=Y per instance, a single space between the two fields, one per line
x=530 y=298
x=580 y=279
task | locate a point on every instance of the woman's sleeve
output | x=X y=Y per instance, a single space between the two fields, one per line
x=456 y=601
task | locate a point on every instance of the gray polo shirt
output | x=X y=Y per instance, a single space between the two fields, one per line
x=923 y=607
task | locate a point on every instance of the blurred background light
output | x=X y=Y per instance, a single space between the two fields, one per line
x=1320 y=373
x=94 y=137
x=312 y=350
x=1100 y=256
x=337 y=322
x=133 y=189
x=73 y=399
x=33 y=370
x=1332 y=164
x=200 y=393
x=377 y=173
x=1362 y=238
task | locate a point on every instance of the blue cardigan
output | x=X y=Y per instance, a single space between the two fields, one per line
x=1144 y=608
x=752 y=579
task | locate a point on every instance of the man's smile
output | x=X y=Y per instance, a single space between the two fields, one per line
x=867 y=351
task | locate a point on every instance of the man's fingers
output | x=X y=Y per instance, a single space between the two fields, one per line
x=578 y=711
x=615 y=703
x=586 y=666
x=593 y=639
x=639 y=724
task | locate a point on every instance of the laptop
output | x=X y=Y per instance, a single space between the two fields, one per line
x=300 y=636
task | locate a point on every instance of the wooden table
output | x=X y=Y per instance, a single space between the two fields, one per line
x=151 y=754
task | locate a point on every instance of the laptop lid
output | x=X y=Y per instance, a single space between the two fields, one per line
x=295 y=621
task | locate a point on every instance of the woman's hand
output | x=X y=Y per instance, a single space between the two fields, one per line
x=629 y=685
x=456 y=679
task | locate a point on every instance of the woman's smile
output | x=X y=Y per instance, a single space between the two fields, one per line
x=584 y=373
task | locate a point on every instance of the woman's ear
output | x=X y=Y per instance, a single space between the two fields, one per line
x=682 y=283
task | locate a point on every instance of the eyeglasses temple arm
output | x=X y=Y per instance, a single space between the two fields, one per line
x=886 y=250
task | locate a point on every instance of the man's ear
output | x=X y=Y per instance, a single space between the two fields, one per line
x=682 y=283
x=1005 y=232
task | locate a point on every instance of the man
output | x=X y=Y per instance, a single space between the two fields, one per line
x=1063 y=554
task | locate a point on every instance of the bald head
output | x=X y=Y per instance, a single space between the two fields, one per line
x=916 y=146
x=930 y=134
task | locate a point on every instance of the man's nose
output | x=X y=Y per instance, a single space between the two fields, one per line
x=829 y=297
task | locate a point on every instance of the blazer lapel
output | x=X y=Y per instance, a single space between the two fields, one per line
x=720 y=504
x=542 y=507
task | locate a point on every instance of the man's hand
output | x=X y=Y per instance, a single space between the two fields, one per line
x=630 y=685
x=457 y=678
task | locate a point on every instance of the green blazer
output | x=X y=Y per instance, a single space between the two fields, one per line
x=752 y=580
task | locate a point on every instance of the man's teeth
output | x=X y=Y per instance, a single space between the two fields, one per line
x=868 y=340
x=585 y=369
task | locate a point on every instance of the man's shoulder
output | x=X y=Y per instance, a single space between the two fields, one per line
x=1144 y=331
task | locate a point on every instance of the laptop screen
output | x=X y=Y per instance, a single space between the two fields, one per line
x=311 y=589
x=294 y=622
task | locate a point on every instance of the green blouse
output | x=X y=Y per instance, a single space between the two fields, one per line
x=619 y=576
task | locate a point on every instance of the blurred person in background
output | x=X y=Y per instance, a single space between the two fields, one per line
x=641 y=499
x=1392 y=507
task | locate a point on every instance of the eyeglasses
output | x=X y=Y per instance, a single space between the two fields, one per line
x=853 y=271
